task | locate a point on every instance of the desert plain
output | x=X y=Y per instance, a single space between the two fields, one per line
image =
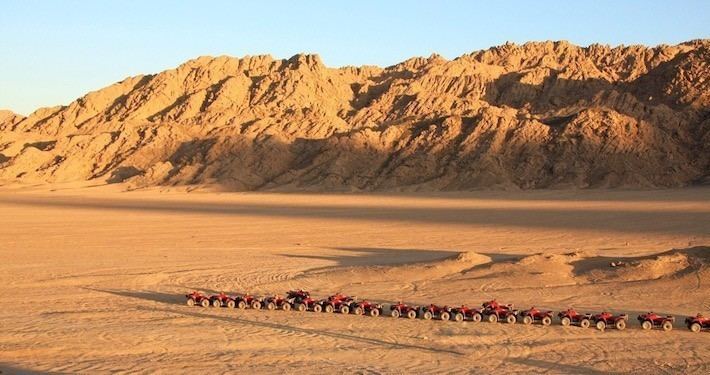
x=93 y=279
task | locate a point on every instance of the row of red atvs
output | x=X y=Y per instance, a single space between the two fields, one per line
x=492 y=311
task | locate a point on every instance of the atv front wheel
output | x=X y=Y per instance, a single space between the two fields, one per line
x=205 y=303
x=458 y=317
x=286 y=306
x=190 y=302
x=374 y=312
x=344 y=309
x=329 y=308
x=546 y=321
x=527 y=319
x=411 y=314
x=511 y=319
x=620 y=324
x=695 y=327
x=241 y=305
x=317 y=308
x=601 y=325
x=445 y=316
x=493 y=318
x=646 y=325
x=231 y=304
x=584 y=323
x=427 y=315
x=565 y=321
x=476 y=317
x=394 y=313
x=667 y=326
x=301 y=307
x=216 y=303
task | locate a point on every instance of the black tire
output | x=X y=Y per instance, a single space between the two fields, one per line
x=601 y=325
x=646 y=325
x=191 y=302
x=476 y=317
x=667 y=325
x=301 y=307
x=394 y=313
x=511 y=319
x=585 y=323
x=411 y=314
x=329 y=308
x=241 y=305
x=527 y=319
x=216 y=303
x=205 y=303
x=231 y=304
x=427 y=315
x=493 y=318
x=565 y=321
x=344 y=309
x=286 y=306
x=695 y=327
x=445 y=316
x=458 y=317
x=546 y=321
x=317 y=308
x=374 y=312
x=620 y=324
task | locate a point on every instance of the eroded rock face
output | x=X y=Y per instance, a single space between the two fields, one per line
x=537 y=115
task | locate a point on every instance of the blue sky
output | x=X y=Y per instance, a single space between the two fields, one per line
x=55 y=51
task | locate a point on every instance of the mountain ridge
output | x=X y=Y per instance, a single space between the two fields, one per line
x=536 y=115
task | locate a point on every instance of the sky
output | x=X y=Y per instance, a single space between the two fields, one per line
x=52 y=52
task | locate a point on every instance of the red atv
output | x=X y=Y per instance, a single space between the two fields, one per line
x=222 y=299
x=401 y=309
x=277 y=302
x=651 y=320
x=302 y=301
x=606 y=319
x=466 y=313
x=570 y=316
x=197 y=298
x=366 y=307
x=496 y=312
x=248 y=300
x=536 y=315
x=436 y=312
x=698 y=323
x=337 y=302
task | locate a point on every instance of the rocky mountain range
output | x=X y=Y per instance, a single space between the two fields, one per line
x=537 y=115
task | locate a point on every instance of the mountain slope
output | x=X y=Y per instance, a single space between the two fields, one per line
x=537 y=115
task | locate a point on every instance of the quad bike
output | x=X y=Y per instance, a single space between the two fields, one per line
x=337 y=302
x=536 y=315
x=606 y=319
x=366 y=307
x=222 y=299
x=301 y=300
x=496 y=312
x=464 y=312
x=652 y=320
x=435 y=312
x=277 y=302
x=698 y=323
x=198 y=298
x=571 y=316
x=400 y=309
x=248 y=300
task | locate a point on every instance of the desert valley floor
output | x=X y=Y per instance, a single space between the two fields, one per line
x=93 y=279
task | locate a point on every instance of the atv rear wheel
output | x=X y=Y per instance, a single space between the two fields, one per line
x=476 y=317
x=357 y=310
x=565 y=321
x=411 y=314
x=344 y=309
x=546 y=321
x=445 y=316
x=584 y=323
x=329 y=308
x=271 y=306
x=256 y=305
x=231 y=304
x=394 y=313
x=620 y=324
x=695 y=327
x=286 y=306
x=241 y=305
x=205 y=303
x=374 y=312
x=493 y=318
x=667 y=326
x=190 y=302
x=301 y=307
x=427 y=315
x=601 y=325
x=646 y=325
x=216 y=303
x=317 y=308
x=458 y=317
x=527 y=319
x=511 y=319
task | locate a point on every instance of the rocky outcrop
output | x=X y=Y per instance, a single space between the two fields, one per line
x=537 y=115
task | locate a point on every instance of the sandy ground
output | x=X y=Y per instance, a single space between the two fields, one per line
x=93 y=280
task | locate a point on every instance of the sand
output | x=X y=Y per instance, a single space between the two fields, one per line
x=93 y=279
